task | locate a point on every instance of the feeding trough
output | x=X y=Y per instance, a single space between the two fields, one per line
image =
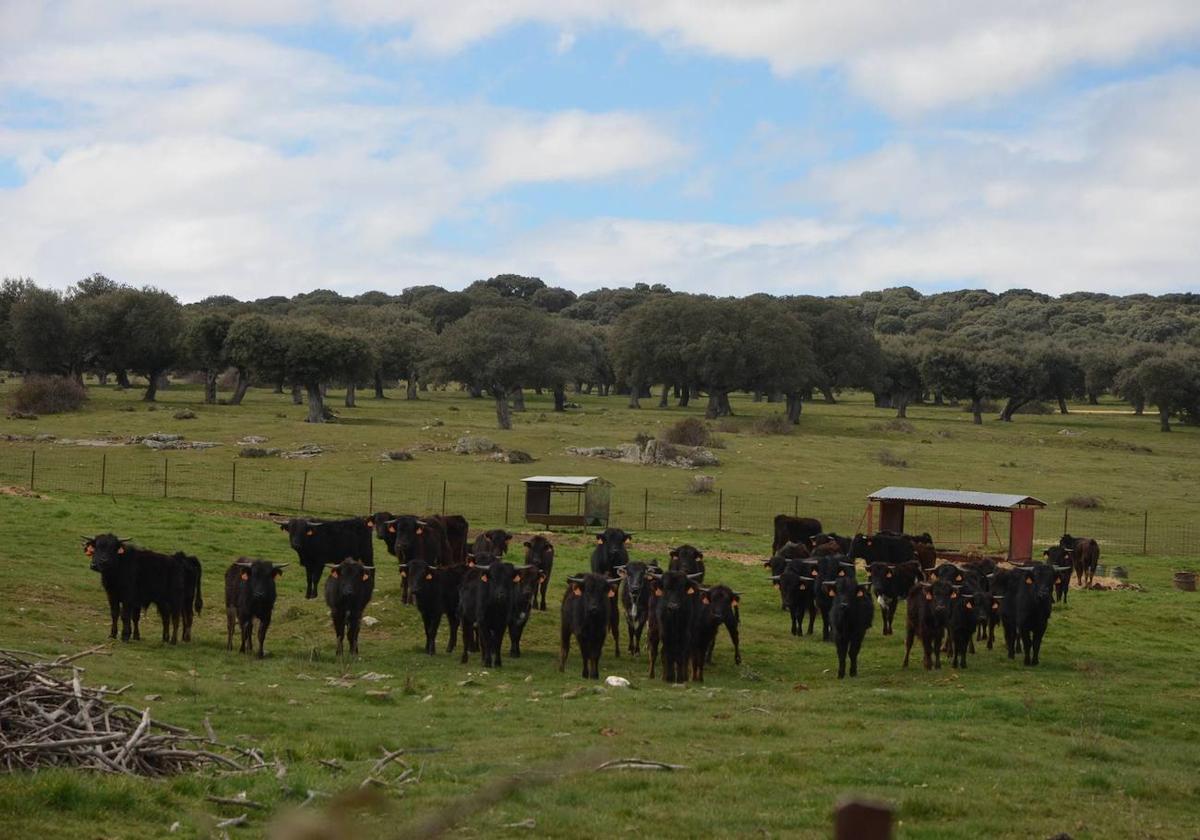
x=569 y=500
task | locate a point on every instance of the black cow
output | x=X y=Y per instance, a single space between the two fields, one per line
x=348 y=590
x=133 y=578
x=1027 y=606
x=539 y=552
x=830 y=568
x=585 y=615
x=794 y=529
x=963 y=622
x=849 y=617
x=485 y=607
x=689 y=560
x=891 y=582
x=608 y=557
x=718 y=606
x=424 y=539
x=319 y=543
x=434 y=589
x=1056 y=555
x=928 y=617
x=779 y=561
x=382 y=531
x=456 y=529
x=493 y=542
x=250 y=596
x=640 y=579
x=675 y=599
x=836 y=543
x=526 y=582
x=1084 y=555
x=797 y=583
x=883 y=547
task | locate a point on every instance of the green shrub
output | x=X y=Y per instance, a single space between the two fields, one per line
x=690 y=431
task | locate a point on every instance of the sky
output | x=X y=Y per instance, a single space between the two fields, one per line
x=259 y=147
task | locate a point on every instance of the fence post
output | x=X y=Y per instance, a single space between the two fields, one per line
x=303 y=489
x=796 y=506
x=646 y=509
x=1066 y=513
x=1145 y=530
x=164 y=478
x=233 y=483
x=103 y=470
x=32 y=466
x=443 y=497
x=506 y=489
x=720 y=509
x=986 y=522
x=370 y=494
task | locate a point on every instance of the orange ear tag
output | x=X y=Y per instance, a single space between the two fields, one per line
x=391 y=529
x=802 y=586
x=612 y=593
x=775 y=584
x=578 y=591
x=89 y=550
x=309 y=532
x=970 y=606
x=1029 y=580
x=333 y=573
x=658 y=592
x=370 y=523
x=928 y=597
x=704 y=600
x=429 y=576
x=121 y=550
x=516 y=578
x=483 y=578
x=366 y=576
x=420 y=531
x=245 y=576
x=860 y=594
x=691 y=591
x=736 y=601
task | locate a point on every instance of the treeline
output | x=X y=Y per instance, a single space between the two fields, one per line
x=510 y=333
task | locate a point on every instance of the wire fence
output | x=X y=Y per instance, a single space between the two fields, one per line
x=345 y=490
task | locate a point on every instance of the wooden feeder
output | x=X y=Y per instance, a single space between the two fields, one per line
x=579 y=500
x=1020 y=509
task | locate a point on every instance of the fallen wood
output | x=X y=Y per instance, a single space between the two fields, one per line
x=232 y=821
x=638 y=764
x=238 y=801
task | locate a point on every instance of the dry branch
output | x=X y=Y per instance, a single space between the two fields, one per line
x=53 y=722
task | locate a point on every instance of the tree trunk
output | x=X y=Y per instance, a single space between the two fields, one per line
x=1164 y=418
x=278 y=389
x=297 y=399
x=713 y=408
x=827 y=393
x=379 y=395
x=518 y=399
x=316 y=403
x=122 y=379
x=324 y=390
x=503 y=418
x=633 y=397
x=662 y=399
x=102 y=378
x=151 y=387
x=410 y=390
x=937 y=397
x=239 y=390
x=1139 y=405
x=1093 y=398
x=351 y=393
x=1062 y=406
x=685 y=395
x=210 y=387
x=901 y=402
x=794 y=407
x=677 y=391
x=560 y=398
x=758 y=397
x=1010 y=408
x=424 y=386
x=977 y=411
x=726 y=410
x=475 y=391
x=538 y=390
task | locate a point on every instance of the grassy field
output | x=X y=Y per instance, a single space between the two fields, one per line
x=1101 y=740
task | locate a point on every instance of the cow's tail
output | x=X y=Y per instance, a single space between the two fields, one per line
x=199 y=602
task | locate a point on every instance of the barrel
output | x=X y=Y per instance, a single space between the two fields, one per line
x=1185 y=581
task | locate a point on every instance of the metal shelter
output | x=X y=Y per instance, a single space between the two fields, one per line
x=892 y=502
x=580 y=500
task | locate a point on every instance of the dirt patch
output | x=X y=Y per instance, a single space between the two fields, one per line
x=1111 y=584
x=20 y=491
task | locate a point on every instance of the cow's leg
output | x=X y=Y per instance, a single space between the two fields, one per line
x=494 y=640
x=404 y=596
x=229 y=616
x=812 y=617
x=247 y=629
x=453 y=616
x=1037 y=644
x=339 y=628
x=842 y=649
x=355 y=619
x=114 y=611
x=928 y=645
x=263 y=624
x=542 y=592
x=564 y=647
x=855 y=647
x=467 y=632
x=614 y=619
x=653 y=653
x=126 y=623
x=1027 y=643
x=908 y=640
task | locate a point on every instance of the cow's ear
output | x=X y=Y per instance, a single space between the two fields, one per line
x=629 y=538
x=776 y=584
x=366 y=576
x=599 y=539
x=691 y=590
x=276 y=572
x=89 y=549
x=704 y=599
x=541 y=577
x=736 y=600
x=528 y=544
x=699 y=555
x=612 y=592
x=674 y=552
x=470 y=559
x=283 y=526
x=333 y=573
x=1028 y=580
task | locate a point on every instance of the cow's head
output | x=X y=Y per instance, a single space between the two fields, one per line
x=687 y=558
x=349 y=578
x=420 y=574
x=379 y=521
x=301 y=531
x=722 y=602
x=406 y=531
x=860 y=547
x=614 y=541
x=539 y=551
x=594 y=592
x=525 y=581
x=260 y=576
x=499 y=539
x=936 y=596
x=1038 y=579
x=105 y=551
x=675 y=591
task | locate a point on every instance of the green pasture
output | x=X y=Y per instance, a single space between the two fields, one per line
x=1101 y=740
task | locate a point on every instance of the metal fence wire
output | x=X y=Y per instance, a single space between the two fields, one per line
x=330 y=490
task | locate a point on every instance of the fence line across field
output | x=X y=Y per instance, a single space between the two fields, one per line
x=334 y=490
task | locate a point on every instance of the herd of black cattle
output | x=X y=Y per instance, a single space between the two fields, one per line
x=478 y=592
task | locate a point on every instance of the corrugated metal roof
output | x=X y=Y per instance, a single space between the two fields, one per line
x=954 y=498
x=577 y=480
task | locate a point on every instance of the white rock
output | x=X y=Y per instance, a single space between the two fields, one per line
x=616 y=682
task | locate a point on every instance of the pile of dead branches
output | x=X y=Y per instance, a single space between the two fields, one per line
x=49 y=719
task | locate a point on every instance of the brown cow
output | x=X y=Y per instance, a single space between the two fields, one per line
x=1084 y=554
